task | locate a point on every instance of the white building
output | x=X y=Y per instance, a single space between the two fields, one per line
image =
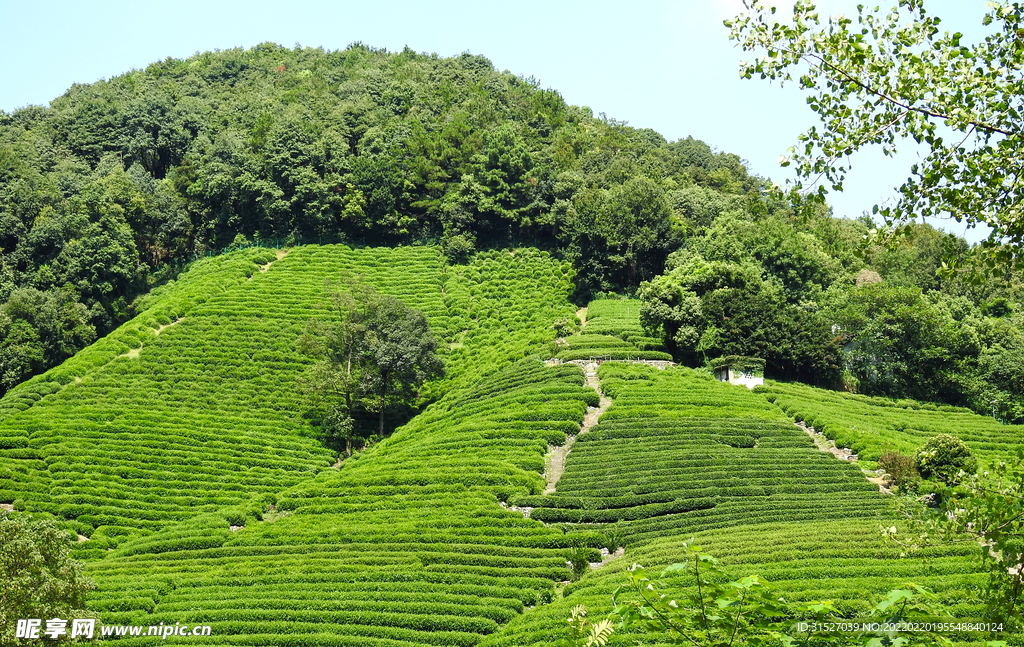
x=746 y=371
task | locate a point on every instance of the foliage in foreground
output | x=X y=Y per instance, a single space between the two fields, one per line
x=881 y=76
x=715 y=612
x=38 y=578
x=985 y=509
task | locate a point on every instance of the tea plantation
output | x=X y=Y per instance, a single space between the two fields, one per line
x=177 y=448
x=142 y=429
x=679 y=452
x=613 y=332
x=870 y=425
x=846 y=561
x=405 y=545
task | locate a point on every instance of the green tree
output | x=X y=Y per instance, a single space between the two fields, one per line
x=886 y=75
x=38 y=330
x=1001 y=384
x=374 y=353
x=899 y=343
x=334 y=381
x=636 y=222
x=943 y=457
x=38 y=578
x=21 y=353
x=708 y=309
x=400 y=354
x=985 y=510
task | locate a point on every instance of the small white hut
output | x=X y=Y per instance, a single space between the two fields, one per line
x=739 y=370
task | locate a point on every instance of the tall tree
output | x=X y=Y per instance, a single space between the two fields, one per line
x=400 y=353
x=377 y=351
x=38 y=578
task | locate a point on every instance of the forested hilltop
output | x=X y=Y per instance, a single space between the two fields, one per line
x=117 y=184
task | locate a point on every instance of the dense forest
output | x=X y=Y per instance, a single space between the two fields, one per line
x=118 y=184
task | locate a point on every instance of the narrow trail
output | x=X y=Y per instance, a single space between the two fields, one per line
x=607 y=557
x=556 y=460
x=281 y=253
x=164 y=327
x=826 y=445
x=843 y=454
x=134 y=353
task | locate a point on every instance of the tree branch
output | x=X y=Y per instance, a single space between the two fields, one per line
x=896 y=102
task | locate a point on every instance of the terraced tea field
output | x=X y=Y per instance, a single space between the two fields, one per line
x=845 y=561
x=679 y=452
x=406 y=545
x=142 y=430
x=620 y=318
x=177 y=446
x=679 y=456
x=612 y=332
x=869 y=425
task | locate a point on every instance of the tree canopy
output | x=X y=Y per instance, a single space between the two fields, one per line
x=119 y=183
x=38 y=578
x=885 y=75
x=373 y=355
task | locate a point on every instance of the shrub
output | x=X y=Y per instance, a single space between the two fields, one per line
x=39 y=578
x=579 y=561
x=458 y=248
x=565 y=326
x=943 y=457
x=900 y=469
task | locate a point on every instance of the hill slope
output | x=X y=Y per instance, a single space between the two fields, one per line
x=405 y=546
x=193 y=405
x=184 y=456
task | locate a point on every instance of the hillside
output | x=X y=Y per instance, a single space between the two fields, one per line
x=406 y=545
x=870 y=426
x=167 y=235
x=118 y=185
x=206 y=377
x=845 y=561
x=439 y=535
x=678 y=452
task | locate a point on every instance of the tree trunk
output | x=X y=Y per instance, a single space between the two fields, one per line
x=383 y=403
x=348 y=381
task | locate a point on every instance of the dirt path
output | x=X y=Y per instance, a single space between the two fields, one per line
x=826 y=445
x=166 y=326
x=135 y=352
x=556 y=459
x=281 y=253
x=843 y=454
x=878 y=480
x=607 y=557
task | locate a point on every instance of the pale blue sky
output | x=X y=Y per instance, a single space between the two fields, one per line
x=662 y=65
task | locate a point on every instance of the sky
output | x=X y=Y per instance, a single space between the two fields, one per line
x=665 y=65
